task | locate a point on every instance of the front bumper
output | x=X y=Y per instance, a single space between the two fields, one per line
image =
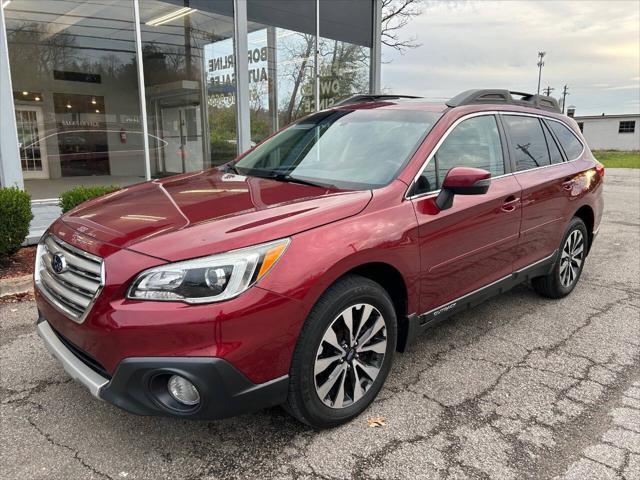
x=139 y=383
x=75 y=367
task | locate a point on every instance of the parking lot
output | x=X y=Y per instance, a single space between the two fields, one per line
x=520 y=387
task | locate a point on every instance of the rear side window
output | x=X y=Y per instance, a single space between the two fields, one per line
x=528 y=144
x=554 y=151
x=570 y=143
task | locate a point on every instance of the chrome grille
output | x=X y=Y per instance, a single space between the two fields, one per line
x=73 y=289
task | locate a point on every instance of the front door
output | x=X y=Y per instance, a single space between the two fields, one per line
x=33 y=149
x=182 y=132
x=473 y=243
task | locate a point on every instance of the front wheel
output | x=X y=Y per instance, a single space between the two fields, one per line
x=343 y=354
x=568 y=267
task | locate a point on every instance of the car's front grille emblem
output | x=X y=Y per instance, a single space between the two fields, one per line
x=58 y=263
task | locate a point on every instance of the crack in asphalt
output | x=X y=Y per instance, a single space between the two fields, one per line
x=76 y=453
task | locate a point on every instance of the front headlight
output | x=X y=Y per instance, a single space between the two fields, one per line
x=208 y=279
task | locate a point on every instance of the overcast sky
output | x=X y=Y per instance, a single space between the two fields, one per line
x=592 y=46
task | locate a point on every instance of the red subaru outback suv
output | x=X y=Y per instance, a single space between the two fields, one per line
x=292 y=274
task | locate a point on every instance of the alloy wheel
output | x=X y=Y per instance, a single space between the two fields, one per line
x=571 y=258
x=350 y=355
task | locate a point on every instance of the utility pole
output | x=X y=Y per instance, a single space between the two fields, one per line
x=547 y=91
x=565 y=92
x=540 y=65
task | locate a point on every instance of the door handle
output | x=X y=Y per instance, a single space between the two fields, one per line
x=510 y=203
x=567 y=183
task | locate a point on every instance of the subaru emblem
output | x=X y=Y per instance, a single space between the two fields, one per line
x=58 y=263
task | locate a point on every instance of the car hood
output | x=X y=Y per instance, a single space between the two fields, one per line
x=208 y=212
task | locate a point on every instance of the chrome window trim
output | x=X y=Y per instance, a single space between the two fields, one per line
x=52 y=300
x=479 y=114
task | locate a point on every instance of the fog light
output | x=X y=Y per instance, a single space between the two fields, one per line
x=183 y=390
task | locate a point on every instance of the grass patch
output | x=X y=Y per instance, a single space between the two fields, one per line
x=617 y=158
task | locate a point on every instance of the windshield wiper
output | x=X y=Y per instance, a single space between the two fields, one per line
x=285 y=177
x=228 y=167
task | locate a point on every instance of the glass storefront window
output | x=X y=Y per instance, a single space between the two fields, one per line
x=73 y=71
x=344 y=50
x=282 y=43
x=281 y=63
x=343 y=72
x=187 y=50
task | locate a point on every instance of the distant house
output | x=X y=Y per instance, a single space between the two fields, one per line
x=611 y=132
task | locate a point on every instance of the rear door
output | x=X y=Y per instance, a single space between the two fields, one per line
x=546 y=179
x=473 y=243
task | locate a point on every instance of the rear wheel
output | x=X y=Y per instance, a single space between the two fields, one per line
x=568 y=267
x=343 y=354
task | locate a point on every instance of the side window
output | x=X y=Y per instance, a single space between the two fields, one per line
x=554 y=151
x=529 y=147
x=473 y=143
x=569 y=142
x=427 y=182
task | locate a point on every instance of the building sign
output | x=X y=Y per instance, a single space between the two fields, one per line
x=79 y=123
x=220 y=69
x=329 y=93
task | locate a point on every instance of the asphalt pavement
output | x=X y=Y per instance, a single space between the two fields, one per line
x=520 y=387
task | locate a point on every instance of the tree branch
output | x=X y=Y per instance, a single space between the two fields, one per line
x=396 y=14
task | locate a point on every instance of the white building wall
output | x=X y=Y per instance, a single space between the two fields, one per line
x=602 y=133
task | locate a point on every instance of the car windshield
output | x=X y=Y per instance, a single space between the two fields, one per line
x=347 y=149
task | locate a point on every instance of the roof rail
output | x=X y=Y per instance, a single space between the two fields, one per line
x=505 y=97
x=370 y=98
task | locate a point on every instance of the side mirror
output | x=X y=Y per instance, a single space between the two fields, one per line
x=462 y=181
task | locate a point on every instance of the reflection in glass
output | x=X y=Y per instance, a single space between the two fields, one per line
x=281 y=72
x=326 y=148
x=282 y=44
x=187 y=49
x=64 y=56
x=344 y=70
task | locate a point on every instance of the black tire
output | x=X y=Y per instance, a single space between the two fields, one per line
x=551 y=285
x=303 y=401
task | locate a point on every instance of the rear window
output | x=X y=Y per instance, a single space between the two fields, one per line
x=570 y=144
x=527 y=142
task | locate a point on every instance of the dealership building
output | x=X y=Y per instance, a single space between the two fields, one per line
x=611 y=132
x=122 y=91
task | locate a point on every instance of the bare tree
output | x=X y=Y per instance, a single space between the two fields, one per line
x=396 y=14
x=300 y=49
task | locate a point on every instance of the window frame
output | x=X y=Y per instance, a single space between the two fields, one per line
x=509 y=161
x=626 y=131
x=550 y=136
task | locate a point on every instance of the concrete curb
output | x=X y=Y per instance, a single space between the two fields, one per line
x=12 y=286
